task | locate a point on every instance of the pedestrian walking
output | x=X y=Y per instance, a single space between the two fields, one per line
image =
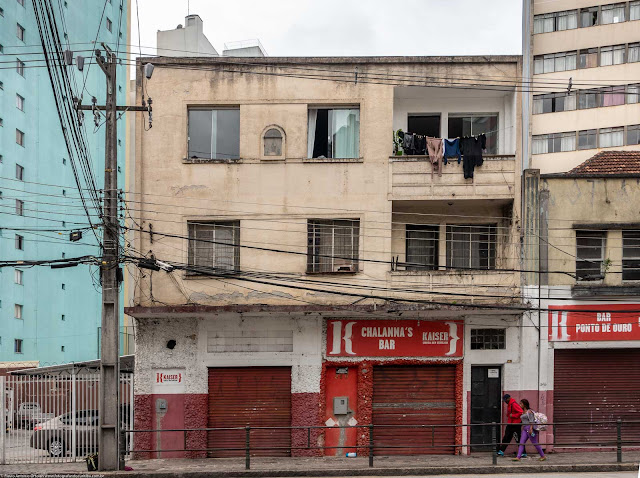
x=529 y=431
x=513 y=423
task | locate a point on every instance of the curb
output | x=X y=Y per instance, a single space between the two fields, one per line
x=406 y=471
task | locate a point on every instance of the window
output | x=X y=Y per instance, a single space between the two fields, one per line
x=19 y=102
x=17 y=311
x=1 y=85
x=333 y=133
x=109 y=25
x=589 y=254
x=634 y=10
x=19 y=242
x=554 y=62
x=587 y=139
x=544 y=23
x=17 y=276
x=589 y=58
x=471 y=247
x=214 y=133
x=609 y=137
x=215 y=245
x=272 y=142
x=466 y=124
x=19 y=207
x=62 y=348
x=1 y=12
x=19 y=172
x=20 y=66
x=588 y=17
x=426 y=125
x=62 y=317
x=64 y=286
x=554 y=102
x=587 y=99
x=567 y=20
x=17 y=346
x=613 y=13
x=1 y=48
x=422 y=247
x=612 y=96
x=19 y=137
x=20 y=32
x=21 y=2
x=612 y=55
x=633 y=134
x=554 y=143
x=558 y=21
x=488 y=339
x=332 y=245
x=634 y=52
x=630 y=255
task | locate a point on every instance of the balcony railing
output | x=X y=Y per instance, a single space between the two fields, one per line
x=412 y=178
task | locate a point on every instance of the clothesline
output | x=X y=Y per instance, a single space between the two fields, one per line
x=488 y=132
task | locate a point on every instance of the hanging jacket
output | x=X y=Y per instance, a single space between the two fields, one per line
x=452 y=149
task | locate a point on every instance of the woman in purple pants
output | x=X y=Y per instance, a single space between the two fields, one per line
x=528 y=431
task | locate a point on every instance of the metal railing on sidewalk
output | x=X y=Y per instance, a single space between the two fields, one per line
x=373 y=449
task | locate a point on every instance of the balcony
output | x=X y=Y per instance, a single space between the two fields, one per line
x=412 y=178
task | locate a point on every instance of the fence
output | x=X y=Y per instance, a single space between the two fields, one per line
x=54 y=419
x=619 y=441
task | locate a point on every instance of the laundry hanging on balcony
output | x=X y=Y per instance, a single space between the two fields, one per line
x=471 y=148
x=436 y=153
x=452 y=149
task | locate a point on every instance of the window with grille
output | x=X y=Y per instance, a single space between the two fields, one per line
x=590 y=248
x=471 y=246
x=214 y=246
x=488 y=339
x=422 y=247
x=630 y=255
x=332 y=245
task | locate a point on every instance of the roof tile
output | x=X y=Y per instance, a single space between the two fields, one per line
x=609 y=163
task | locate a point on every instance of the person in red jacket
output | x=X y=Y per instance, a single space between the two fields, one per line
x=514 y=424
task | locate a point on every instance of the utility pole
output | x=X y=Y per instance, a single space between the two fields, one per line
x=109 y=396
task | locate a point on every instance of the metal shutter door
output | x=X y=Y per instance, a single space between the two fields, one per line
x=255 y=397
x=414 y=395
x=595 y=385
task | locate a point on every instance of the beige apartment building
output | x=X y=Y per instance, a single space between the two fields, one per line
x=586 y=80
x=301 y=257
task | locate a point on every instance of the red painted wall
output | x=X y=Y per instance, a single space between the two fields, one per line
x=183 y=411
x=341 y=385
x=305 y=412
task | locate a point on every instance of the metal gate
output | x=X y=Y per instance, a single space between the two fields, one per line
x=54 y=419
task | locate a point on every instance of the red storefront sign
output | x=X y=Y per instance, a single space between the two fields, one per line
x=394 y=338
x=606 y=322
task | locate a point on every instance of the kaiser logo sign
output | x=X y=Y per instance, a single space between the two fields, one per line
x=169 y=381
x=394 y=338
x=162 y=377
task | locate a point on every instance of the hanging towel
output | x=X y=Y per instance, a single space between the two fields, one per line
x=452 y=149
x=434 y=148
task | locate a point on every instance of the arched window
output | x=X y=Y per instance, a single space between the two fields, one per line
x=272 y=142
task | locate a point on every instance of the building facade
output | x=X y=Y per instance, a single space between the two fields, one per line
x=580 y=220
x=585 y=63
x=311 y=267
x=50 y=316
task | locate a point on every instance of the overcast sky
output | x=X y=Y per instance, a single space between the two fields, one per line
x=345 y=27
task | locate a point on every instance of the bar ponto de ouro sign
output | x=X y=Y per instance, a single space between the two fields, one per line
x=394 y=338
x=608 y=322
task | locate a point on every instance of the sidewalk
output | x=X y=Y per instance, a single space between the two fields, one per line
x=476 y=464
